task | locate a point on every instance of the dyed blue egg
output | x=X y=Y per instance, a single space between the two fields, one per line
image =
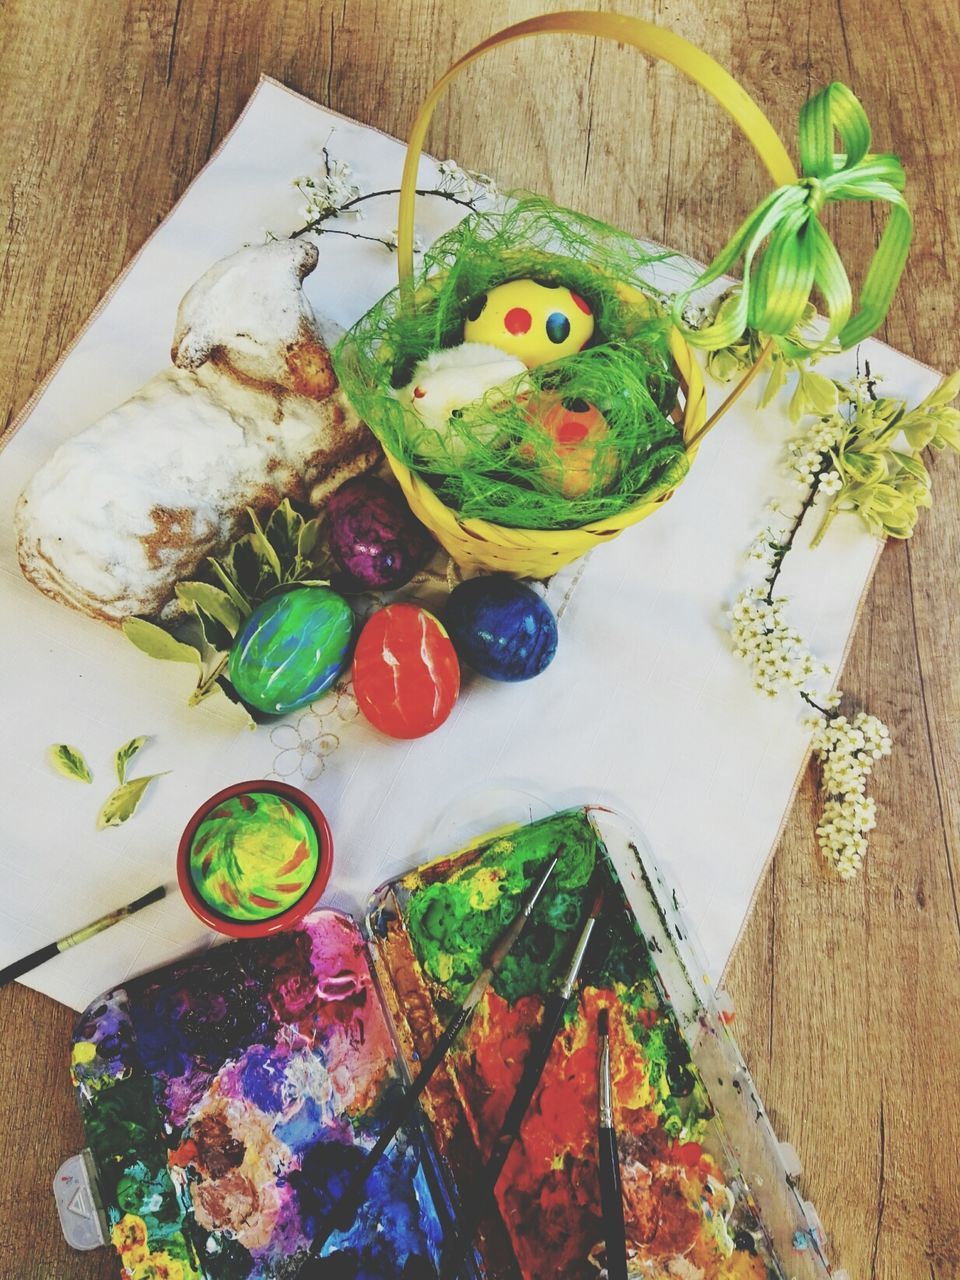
x=291 y=649
x=501 y=628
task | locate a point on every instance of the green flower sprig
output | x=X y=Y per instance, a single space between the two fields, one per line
x=284 y=552
x=874 y=449
x=865 y=458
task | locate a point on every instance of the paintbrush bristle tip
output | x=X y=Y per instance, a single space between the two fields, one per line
x=603 y=1022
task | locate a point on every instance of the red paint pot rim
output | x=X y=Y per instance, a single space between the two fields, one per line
x=257 y=928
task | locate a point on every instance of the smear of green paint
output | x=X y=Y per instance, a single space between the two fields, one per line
x=453 y=923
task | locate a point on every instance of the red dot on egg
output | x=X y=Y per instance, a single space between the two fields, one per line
x=517 y=320
x=580 y=303
x=572 y=431
x=418 y=393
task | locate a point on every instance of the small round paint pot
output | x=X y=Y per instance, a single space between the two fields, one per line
x=255 y=858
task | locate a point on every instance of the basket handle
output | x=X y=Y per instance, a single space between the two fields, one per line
x=645 y=36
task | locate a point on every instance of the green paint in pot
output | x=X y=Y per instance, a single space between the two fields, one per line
x=254 y=856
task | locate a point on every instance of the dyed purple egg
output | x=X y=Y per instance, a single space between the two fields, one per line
x=374 y=536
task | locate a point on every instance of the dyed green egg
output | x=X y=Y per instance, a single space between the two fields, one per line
x=291 y=649
x=254 y=856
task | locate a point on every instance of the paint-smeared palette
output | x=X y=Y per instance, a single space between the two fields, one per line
x=706 y=1195
x=226 y=1100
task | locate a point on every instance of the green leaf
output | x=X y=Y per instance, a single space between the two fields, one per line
x=69 y=762
x=283 y=531
x=947 y=390
x=309 y=539
x=237 y=708
x=261 y=545
x=157 y=643
x=723 y=364
x=865 y=467
x=126 y=754
x=948 y=434
x=920 y=432
x=245 y=567
x=814 y=394
x=122 y=802
x=212 y=673
x=914 y=467
x=778 y=375
x=214 y=602
x=215 y=634
x=244 y=607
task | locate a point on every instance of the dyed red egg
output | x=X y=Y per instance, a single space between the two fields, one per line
x=406 y=676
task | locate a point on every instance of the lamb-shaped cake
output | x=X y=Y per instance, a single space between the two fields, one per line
x=250 y=414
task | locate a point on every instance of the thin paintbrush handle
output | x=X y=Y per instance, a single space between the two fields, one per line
x=348 y=1206
x=43 y=954
x=480 y=1191
x=346 y=1209
x=554 y=1009
x=611 y=1201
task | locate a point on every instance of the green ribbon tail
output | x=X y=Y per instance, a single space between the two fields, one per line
x=793 y=254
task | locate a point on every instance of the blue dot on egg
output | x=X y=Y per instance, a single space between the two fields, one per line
x=558 y=327
x=501 y=628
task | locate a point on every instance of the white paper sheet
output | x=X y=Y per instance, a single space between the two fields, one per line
x=644 y=706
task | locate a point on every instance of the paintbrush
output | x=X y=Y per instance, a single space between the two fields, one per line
x=350 y=1202
x=41 y=956
x=608 y=1159
x=554 y=1012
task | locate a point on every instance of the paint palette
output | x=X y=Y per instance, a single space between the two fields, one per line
x=227 y=1100
x=708 y=1193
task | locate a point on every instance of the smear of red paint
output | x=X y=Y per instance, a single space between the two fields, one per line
x=300 y=854
x=687 y=1153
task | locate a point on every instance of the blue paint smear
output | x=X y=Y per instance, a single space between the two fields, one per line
x=387 y=1238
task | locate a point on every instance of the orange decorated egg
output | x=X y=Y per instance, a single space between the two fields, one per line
x=576 y=455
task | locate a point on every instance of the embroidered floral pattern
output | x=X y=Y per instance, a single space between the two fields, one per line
x=304 y=744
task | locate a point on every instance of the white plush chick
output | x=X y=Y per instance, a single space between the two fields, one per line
x=446 y=383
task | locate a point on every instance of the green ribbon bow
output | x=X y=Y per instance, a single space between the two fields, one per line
x=799 y=256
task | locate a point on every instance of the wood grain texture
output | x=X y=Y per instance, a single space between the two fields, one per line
x=848 y=995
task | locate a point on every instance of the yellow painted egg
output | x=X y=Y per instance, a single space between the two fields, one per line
x=576 y=455
x=534 y=322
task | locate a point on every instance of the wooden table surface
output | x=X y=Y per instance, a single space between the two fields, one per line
x=848 y=995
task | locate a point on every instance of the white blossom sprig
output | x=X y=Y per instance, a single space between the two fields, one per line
x=333 y=194
x=847 y=751
x=779 y=658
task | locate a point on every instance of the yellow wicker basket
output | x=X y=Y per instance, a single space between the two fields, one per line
x=537 y=553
